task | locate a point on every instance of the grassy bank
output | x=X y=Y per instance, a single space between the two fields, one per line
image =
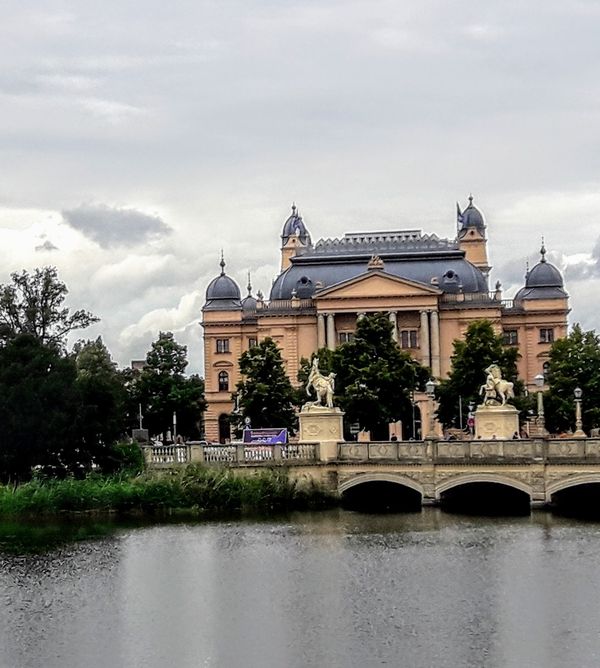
x=196 y=489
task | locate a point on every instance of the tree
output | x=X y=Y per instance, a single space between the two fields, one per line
x=102 y=400
x=375 y=378
x=265 y=394
x=163 y=390
x=574 y=362
x=33 y=305
x=480 y=348
x=38 y=409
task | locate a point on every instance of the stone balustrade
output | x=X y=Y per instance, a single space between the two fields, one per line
x=169 y=456
x=409 y=452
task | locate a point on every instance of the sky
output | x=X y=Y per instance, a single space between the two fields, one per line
x=137 y=140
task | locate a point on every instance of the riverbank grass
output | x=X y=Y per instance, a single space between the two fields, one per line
x=196 y=489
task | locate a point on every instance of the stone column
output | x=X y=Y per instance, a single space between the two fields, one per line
x=394 y=322
x=331 y=331
x=435 y=344
x=425 y=360
x=320 y=330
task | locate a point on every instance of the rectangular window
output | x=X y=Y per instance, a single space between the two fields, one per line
x=346 y=337
x=510 y=337
x=222 y=345
x=546 y=335
x=252 y=342
x=408 y=338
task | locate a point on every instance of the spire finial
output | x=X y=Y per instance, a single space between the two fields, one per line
x=470 y=199
x=543 y=251
x=249 y=286
x=293 y=208
x=222 y=263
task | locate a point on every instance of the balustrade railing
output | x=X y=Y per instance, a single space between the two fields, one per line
x=415 y=452
x=232 y=454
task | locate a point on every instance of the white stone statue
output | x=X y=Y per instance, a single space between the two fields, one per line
x=496 y=390
x=322 y=385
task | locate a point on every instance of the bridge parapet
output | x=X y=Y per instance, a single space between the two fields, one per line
x=169 y=456
x=551 y=451
x=518 y=450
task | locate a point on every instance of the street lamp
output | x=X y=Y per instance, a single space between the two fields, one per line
x=579 y=433
x=430 y=392
x=539 y=381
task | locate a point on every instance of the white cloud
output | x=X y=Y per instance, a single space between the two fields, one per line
x=369 y=113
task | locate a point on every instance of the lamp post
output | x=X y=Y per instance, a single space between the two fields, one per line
x=579 y=433
x=539 y=381
x=430 y=391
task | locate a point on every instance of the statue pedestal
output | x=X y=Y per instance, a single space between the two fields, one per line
x=323 y=425
x=496 y=422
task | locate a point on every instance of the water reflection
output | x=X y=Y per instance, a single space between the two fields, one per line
x=337 y=589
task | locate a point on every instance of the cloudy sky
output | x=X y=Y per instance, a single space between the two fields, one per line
x=137 y=139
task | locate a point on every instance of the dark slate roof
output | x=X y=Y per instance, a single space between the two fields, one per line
x=544 y=281
x=470 y=217
x=222 y=293
x=380 y=243
x=294 y=225
x=249 y=303
x=424 y=259
x=540 y=293
x=544 y=275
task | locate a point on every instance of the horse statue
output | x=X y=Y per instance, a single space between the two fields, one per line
x=496 y=390
x=322 y=385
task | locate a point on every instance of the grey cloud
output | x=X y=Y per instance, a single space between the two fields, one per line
x=579 y=271
x=110 y=227
x=46 y=246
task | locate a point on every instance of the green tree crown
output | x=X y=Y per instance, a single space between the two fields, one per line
x=265 y=394
x=480 y=348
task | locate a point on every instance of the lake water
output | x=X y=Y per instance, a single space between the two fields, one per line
x=328 y=589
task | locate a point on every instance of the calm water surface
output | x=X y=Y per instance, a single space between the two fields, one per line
x=329 y=589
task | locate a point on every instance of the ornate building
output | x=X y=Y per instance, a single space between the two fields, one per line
x=432 y=289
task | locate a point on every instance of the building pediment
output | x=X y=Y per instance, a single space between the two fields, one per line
x=376 y=284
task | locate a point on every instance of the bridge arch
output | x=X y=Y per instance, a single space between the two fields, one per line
x=381 y=492
x=574 y=481
x=482 y=478
x=362 y=478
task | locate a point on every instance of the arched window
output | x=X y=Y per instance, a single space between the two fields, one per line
x=223 y=381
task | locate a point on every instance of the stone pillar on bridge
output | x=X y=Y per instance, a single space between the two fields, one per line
x=496 y=422
x=322 y=425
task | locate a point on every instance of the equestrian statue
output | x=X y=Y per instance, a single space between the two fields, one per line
x=496 y=390
x=323 y=386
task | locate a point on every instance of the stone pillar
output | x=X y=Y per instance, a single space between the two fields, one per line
x=425 y=359
x=435 y=345
x=331 y=331
x=320 y=330
x=393 y=320
x=322 y=425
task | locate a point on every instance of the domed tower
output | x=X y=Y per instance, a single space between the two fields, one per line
x=294 y=238
x=542 y=282
x=538 y=318
x=222 y=316
x=222 y=293
x=471 y=236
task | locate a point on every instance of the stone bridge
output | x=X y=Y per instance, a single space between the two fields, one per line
x=538 y=468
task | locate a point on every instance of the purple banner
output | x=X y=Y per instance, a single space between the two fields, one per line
x=265 y=436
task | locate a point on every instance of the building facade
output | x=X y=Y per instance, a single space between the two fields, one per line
x=432 y=289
